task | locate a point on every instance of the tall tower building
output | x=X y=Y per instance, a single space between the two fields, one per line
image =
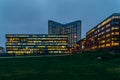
x=73 y=30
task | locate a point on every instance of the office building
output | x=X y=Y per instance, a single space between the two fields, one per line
x=73 y=30
x=106 y=35
x=2 y=50
x=80 y=46
x=22 y=44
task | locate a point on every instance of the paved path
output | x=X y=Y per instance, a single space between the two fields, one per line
x=34 y=56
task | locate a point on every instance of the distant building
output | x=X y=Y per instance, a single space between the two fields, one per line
x=80 y=46
x=21 y=44
x=73 y=30
x=106 y=35
x=2 y=50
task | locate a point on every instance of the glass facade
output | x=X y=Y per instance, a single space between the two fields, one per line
x=73 y=30
x=21 y=44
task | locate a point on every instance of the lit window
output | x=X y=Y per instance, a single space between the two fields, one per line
x=99 y=26
x=115 y=38
x=115 y=28
x=108 y=40
x=103 y=41
x=116 y=33
x=102 y=46
x=99 y=46
x=93 y=47
x=103 y=36
x=98 y=38
x=99 y=34
x=115 y=17
x=98 y=30
x=112 y=33
x=103 y=32
x=107 y=45
x=107 y=35
x=107 y=30
x=103 y=28
x=108 y=25
x=115 y=44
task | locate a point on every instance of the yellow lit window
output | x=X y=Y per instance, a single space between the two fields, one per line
x=99 y=46
x=99 y=26
x=107 y=45
x=112 y=33
x=115 y=44
x=93 y=47
x=103 y=41
x=115 y=38
x=107 y=35
x=103 y=23
x=103 y=46
x=115 y=28
x=106 y=21
x=116 y=33
x=107 y=40
x=99 y=34
x=98 y=38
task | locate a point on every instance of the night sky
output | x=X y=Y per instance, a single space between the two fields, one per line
x=31 y=16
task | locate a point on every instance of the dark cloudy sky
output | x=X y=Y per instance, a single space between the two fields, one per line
x=31 y=16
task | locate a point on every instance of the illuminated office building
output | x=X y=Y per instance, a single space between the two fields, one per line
x=22 y=44
x=73 y=30
x=105 y=35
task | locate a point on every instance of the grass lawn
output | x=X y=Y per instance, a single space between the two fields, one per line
x=73 y=67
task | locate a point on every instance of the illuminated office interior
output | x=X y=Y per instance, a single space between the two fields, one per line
x=22 y=44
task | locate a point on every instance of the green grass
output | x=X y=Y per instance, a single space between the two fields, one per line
x=73 y=67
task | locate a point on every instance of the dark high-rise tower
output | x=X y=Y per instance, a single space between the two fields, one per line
x=73 y=30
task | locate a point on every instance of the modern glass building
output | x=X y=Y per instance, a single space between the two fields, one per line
x=73 y=30
x=22 y=44
x=106 y=35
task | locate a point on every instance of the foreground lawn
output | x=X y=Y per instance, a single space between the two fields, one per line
x=73 y=67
